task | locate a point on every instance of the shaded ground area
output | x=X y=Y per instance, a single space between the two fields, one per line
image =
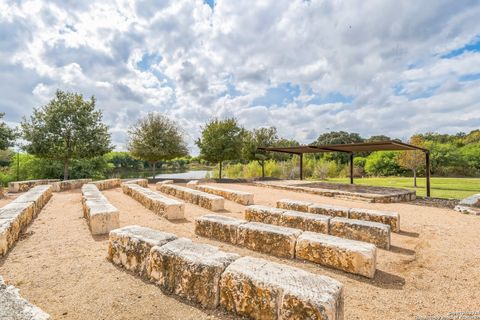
x=432 y=267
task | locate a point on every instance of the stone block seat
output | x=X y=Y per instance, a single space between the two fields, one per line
x=241 y=197
x=214 y=279
x=140 y=182
x=107 y=184
x=17 y=215
x=366 y=231
x=170 y=209
x=100 y=214
x=23 y=186
x=386 y=217
x=261 y=289
x=202 y=199
x=69 y=184
x=14 y=307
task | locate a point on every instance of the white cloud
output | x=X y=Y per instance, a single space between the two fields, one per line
x=385 y=55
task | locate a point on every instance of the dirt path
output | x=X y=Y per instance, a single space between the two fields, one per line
x=432 y=269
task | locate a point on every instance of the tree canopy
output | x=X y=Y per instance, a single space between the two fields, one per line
x=221 y=140
x=7 y=135
x=67 y=128
x=261 y=137
x=155 y=137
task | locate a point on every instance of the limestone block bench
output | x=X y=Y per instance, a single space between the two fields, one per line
x=13 y=306
x=22 y=186
x=168 y=208
x=100 y=214
x=245 y=198
x=202 y=199
x=343 y=254
x=107 y=184
x=366 y=231
x=140 y=182
x=261 y=289
x=288 y=218
x=69 y=184
x=386 y=217
x=17 y=215
x=207 y=276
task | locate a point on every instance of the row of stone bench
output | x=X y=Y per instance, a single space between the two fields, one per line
x=100 y=214
x=16 y=215
x=203 y=274
x=366 y=231
x=245 y=198
x=169 y=208
x=57 y=185
x=107 y=184
x=14 y=307
x=389 y=218
x=348 y=255
x=202 y=199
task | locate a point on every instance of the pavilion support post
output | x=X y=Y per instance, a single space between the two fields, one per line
x=351 y=168
x=427 y=171
x=301 y=166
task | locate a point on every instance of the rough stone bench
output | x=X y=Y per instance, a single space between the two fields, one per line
x=189 y=270
x=202 y=199
x=386 y=217
x=129 y=247
x=245 y=198
x=168 y=208
x=100 y=214
x=14 y=307
x=17 y=215
x=140 y=182
x=366 y=231
x=165 y=182
x=22 y=186
x=288 y=218
x=193 y=183
x=107 y=184
x=261 y=289
x=348 y=255
x=218 y=227
x=69 y=184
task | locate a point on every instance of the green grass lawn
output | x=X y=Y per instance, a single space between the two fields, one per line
x=457 y=188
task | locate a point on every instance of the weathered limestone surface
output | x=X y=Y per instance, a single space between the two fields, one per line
x=69 y=184
x=275 y=240
x=14 y=307
x=218 y=227
x=264 y=214
x=169 y=208
x=107 y=184
x=15 y=216
x=470 y=205
x=260 y=289
x=348 y=255
x=202 y=199
x=140 y=182
x=190 y=270
x=22 y=186
x=305 y=221
x=245 y=198
x=193 y=183
x=295 y=205
x=386 y=217
x=366 y=231
x=129 y=247
x=334 y=211
x=100 y=214
x=165 y=182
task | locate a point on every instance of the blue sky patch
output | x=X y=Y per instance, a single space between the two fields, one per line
x=428 y=92
x=148 y=60
x=211 y=3
x=470 y=77
x=331 y=97
x=280 y=95
x=473 y=46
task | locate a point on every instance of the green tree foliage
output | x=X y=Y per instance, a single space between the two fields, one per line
x=221 y=140
x=413 y=159
x=261 y=137
x=471 y=155
x=7 y=134
x=338 y=137
x=382 y=163
x=154 y=138
x=67 y=128
x=122 y=159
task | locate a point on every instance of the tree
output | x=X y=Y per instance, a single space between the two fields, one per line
x=221 y=140
x=155 y=137
x=67 y=128
x=382 y=163
x=338 y=137
x=7 y=135
x=262 y=137
x=413 y=159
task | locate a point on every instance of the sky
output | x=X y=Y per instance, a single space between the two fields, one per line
x=307 y=67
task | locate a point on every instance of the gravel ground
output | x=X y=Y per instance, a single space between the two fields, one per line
x=431 y=269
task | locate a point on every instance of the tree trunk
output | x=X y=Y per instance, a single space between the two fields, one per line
x=65 y=169
x=154 y=165
x=415 y=178
x=263 y=169
x=220 y=172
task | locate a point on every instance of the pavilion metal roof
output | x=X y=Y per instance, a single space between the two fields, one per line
x=390 y=145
